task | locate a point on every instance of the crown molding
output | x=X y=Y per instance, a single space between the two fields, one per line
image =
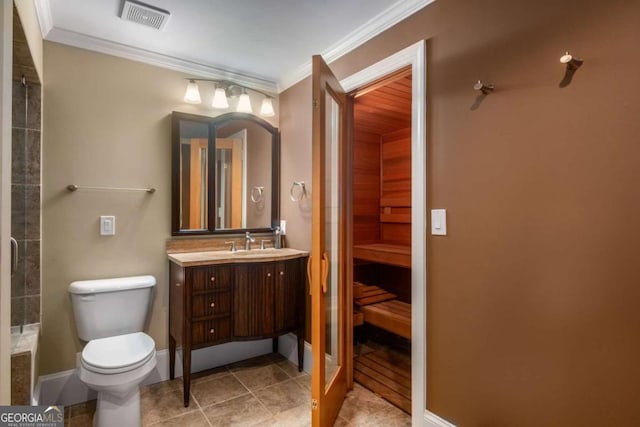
x=381 y=22
x=45 y=19
x=195 y=69
x=359 y=36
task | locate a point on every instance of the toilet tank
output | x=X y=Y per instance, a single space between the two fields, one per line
x=109 y=307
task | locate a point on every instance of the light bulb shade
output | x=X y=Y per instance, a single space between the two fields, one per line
x=244 y=104
x=192 y=95
x=220 y=99
x=266 y=109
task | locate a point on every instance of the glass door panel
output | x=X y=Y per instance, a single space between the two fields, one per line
x=328 y=305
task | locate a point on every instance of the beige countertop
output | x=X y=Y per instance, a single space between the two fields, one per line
x=190 y=259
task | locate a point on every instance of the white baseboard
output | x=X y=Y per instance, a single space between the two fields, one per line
x=288 y=347
x=65 y=388
x=432 y=420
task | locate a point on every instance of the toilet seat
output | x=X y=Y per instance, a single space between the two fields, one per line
x=121 y=353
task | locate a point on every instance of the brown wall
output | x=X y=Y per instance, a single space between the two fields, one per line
x=532 y=310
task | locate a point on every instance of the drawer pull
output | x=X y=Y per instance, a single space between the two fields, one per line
x=211 y=330
x=213 y=279
x=213 y=304
x=268 y=274
x=282 y=273
x=178 y=284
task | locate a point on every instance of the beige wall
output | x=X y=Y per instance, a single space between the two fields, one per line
x=29 y=19
x=106 y=123
x=532 y=311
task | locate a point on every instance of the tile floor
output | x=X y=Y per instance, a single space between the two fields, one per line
x=263 y=391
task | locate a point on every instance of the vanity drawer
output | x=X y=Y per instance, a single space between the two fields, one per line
x=210 y=277
x=210 y=331
x=210 y=304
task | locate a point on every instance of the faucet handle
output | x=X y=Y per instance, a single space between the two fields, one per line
x=262 y=242
x=233 y=245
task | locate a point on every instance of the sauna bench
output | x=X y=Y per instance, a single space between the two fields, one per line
x=222 y=296
x=384 y=253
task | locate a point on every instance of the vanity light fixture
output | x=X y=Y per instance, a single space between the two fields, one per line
x=225 y=89
x=192 y=96
x=220 y=99
x=266 y=109
x=244 y=103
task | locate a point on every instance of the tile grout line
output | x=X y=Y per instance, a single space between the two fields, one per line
x=253 y=394
x=200 y=409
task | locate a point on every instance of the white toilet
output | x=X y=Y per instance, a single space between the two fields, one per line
x=110 y=315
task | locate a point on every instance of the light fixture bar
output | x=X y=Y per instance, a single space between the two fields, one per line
x=225 y=89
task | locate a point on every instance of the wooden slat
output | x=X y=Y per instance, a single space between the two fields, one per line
x=384 y=253
x=393 y=233
x=389 y=316
x=358 y=318
x=392 y=360
x=390 y=381
x=399 y=376
x=368 y=294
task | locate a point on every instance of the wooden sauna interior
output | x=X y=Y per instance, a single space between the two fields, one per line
x=382 y=238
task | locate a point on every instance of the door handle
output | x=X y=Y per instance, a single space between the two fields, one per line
x=14 y=256
x=309 y=272
x=325 y=271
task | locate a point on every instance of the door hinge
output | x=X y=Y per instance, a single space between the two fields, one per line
x=314 y=103
x=314 y=404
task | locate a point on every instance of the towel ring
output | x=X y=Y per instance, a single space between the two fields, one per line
x=301 y=193
x=256 y=194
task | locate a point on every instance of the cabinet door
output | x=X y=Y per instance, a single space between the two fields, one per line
x=287 y=291
x=253 y=300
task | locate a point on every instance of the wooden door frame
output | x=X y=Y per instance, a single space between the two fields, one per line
x=415 y=57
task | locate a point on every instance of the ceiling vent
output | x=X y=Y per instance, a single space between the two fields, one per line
x=144 y=14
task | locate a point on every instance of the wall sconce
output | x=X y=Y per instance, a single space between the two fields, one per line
x=224 y=90
x=572 y=62
x=486 y=89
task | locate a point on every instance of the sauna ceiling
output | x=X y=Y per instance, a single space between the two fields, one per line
x=386 y=108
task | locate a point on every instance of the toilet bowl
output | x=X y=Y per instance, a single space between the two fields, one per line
x=110 y=315
x=115 y=367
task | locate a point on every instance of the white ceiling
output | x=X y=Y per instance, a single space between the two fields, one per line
x=266 y=44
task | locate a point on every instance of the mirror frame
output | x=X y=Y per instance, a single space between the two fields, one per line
x=214 y=123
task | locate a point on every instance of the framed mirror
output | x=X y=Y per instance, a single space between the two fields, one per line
x=225 y=174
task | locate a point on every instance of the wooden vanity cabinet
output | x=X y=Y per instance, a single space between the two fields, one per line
x=214 y=304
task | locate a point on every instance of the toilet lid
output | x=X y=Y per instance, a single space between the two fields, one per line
x=118 y=354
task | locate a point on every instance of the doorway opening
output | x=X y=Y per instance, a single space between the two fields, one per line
x=381 y=236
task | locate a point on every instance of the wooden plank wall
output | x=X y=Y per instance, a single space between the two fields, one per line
x=366 y=186
x=395 y=191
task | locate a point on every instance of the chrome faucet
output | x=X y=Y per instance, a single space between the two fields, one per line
x=248 y=240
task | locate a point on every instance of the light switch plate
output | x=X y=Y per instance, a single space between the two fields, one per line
x=439 y=222
x=107 y=225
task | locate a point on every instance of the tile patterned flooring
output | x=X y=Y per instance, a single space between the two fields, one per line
x=263 y=391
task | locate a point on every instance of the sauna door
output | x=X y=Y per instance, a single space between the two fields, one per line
x=328 y=272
